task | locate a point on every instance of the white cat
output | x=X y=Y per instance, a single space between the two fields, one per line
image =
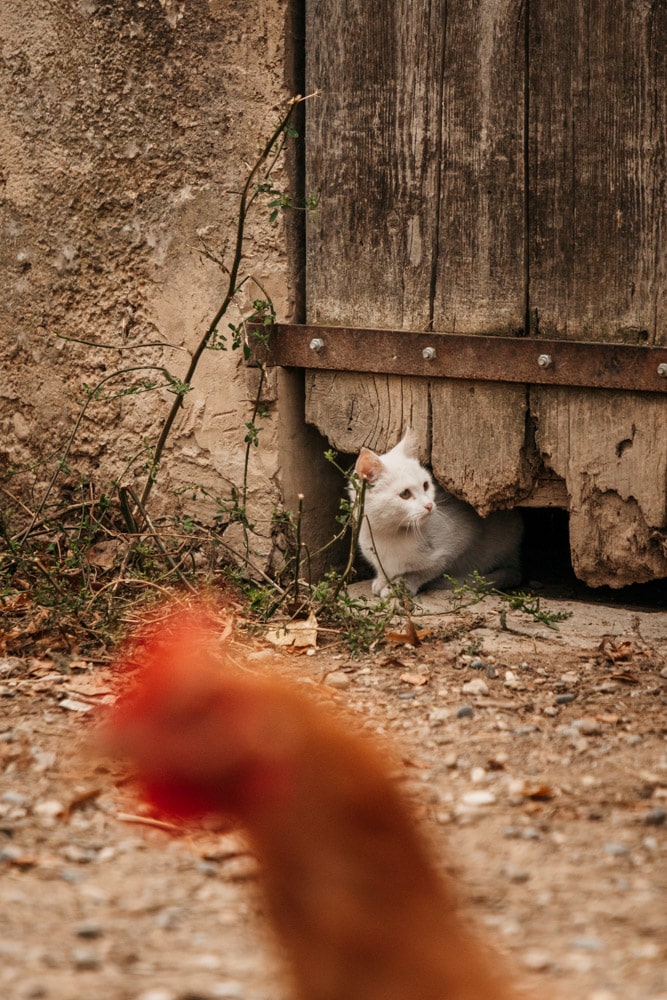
x=412 y=530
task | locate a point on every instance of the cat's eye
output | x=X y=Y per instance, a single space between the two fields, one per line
x=426 y=486
x=405 y=495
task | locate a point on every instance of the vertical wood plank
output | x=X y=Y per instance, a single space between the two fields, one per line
x=372 y=158
x=365 y=410
x=598 y=205
x=478 y=447
x=479 y=282
x=479 y=450
x=598 y=266
x=416 y=149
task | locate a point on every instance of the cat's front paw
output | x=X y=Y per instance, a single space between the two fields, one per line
x=380 y=586
x=394 y=588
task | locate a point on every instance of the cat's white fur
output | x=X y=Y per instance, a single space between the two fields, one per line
x=412 y=530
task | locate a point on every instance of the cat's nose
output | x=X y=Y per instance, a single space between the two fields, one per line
x=428 y=507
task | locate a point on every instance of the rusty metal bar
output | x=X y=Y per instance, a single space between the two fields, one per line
x=484 y=358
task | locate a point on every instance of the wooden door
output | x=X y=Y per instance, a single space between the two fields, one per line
x=498 y=167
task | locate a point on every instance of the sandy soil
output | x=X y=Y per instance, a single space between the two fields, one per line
x=537 y=759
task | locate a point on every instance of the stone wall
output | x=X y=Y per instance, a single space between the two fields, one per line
x=127 y=128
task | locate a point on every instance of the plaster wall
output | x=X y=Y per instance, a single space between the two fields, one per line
x=127 y=128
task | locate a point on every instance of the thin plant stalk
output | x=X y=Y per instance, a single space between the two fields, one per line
x=245 y=202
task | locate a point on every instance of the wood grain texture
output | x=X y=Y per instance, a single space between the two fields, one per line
x=416 y=149
x=598 y=266
x=495 y=167
x=598 y=206
x=479 y=280
x=478 y=449
x=359 y=410
x=372 y=156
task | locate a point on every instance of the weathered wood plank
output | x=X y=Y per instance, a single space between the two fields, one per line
x=598 y=266
x=478 y=446
x=478 y=431
x=479 y=282
x=372 y=157
x=597 y=155
x=359 y=410
x=416 y=149
x=611 y=449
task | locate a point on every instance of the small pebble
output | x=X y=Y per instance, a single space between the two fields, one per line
x=89 y=931
x=478 y=664
x=79 y=855
x=438 y=716
x=517 y=875
x=475 y=686
x=207 y=868
x=49 y=808
x=479 y=798
x=655 y=816
x=14 y=798
x=531 y=833
x=537 y=960
x=85 y=958
x=230 y=990
x=586 y=944
x=587 y=726
x=564 y=699
x=338 y=679
x=616 y=850
x=465 y=712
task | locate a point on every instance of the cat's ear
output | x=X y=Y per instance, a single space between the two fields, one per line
x=410 y=444
x=368 y=465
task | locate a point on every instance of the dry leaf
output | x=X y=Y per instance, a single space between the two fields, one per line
x=298 y=634
x=615 y=653
x=104 y=554
x=411 y=637
x=15 y=601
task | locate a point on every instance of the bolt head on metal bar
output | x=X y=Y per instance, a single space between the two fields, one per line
x=545 y=361
x=316 y=344
x=428 y=354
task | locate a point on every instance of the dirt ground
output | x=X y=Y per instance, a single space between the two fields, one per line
x=536 y=758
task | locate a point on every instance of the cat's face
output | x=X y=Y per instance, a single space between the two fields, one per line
x=400 y=492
